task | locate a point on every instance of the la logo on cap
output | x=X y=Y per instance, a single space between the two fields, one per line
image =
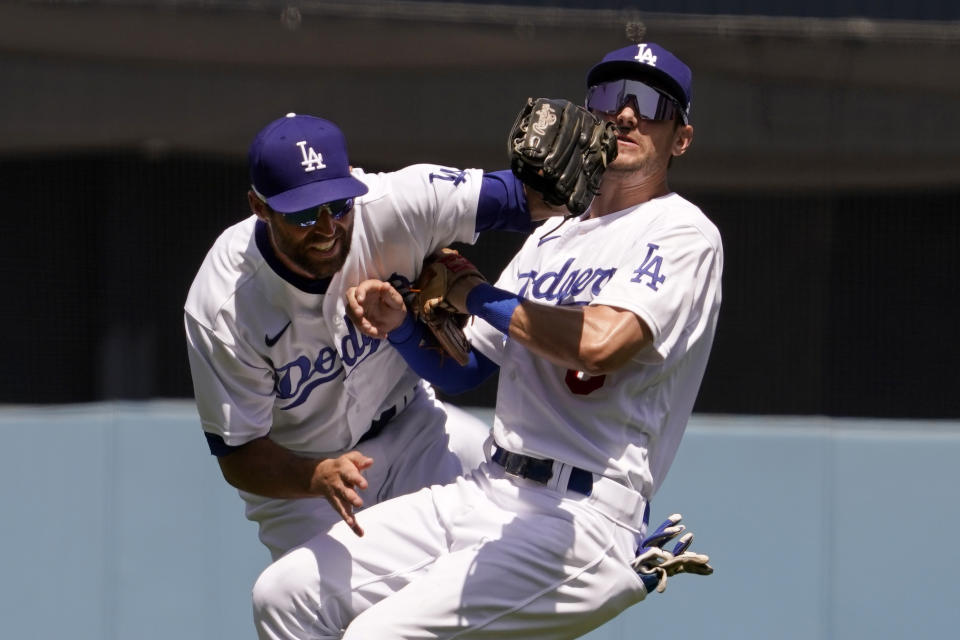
x=645 y=55
x=311 y=159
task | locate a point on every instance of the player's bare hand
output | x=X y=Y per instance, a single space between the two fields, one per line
x=339 y=479
x=375 y=307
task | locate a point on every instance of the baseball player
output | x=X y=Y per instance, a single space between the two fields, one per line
x=309 y=419
x=601 y=327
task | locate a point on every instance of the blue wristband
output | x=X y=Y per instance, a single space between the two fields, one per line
x=404 y=332
x=494 y=305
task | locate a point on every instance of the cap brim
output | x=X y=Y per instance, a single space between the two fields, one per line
x=314 y=194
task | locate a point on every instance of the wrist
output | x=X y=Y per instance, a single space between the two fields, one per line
x=403 y=332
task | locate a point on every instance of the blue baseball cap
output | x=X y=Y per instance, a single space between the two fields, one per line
x=650 y=63
x=298 y=162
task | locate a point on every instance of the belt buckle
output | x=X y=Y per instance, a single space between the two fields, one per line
x=518 y=465
x=515 y=465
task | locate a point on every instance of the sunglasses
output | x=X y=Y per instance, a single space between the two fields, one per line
x=308 y=217
x=647 y=102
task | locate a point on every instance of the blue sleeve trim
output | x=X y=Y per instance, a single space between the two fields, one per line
x=494 y=305
x=218 y=446
x=503 y=204
x=434 y=366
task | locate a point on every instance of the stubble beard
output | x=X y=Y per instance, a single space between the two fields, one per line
x=326 y=267
x=640 y=166
x=305 y=259
x=643 y=163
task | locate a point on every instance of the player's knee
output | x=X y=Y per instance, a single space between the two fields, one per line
x=283 y=601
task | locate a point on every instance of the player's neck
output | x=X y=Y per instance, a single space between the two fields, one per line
x=620 y=191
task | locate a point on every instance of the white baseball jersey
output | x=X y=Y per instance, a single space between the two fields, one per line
x=270 y=354
x=661 y=260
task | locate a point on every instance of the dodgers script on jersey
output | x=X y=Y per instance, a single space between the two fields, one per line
x=661 y=260
x=274 y=353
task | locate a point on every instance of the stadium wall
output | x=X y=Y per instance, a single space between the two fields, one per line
x=118 y=526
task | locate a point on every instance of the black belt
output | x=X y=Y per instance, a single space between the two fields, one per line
x=540 y=470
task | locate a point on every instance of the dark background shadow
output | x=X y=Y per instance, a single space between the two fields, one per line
x=826 y=151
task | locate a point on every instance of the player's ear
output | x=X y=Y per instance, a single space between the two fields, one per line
x=257 y=206
x=682 y=139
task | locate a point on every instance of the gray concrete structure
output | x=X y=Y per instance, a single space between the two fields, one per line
x=779 y=101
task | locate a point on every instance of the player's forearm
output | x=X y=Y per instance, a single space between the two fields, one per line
x=562 y=335
x=539 y=209
x=267 y=469
x=506 y=204
x=502 y=204
x=595 y=339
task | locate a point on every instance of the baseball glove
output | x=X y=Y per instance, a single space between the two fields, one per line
x=426 y=298
x=561 y=150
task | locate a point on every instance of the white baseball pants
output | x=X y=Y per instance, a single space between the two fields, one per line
x=488 y=556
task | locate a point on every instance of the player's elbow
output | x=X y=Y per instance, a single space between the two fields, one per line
x=241 y=466
x=609 y=339
x=600 y=358
x=232 y=472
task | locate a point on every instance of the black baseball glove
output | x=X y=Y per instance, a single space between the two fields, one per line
x=561 y=150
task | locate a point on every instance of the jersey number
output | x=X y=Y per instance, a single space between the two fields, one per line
x=581 y=384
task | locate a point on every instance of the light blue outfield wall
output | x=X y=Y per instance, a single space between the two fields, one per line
x=116 y=525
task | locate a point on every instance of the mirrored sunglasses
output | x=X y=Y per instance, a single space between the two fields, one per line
x=308 y=217
x=647 y=102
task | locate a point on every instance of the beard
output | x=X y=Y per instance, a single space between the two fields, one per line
x=318 y=264
x=326 y=267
